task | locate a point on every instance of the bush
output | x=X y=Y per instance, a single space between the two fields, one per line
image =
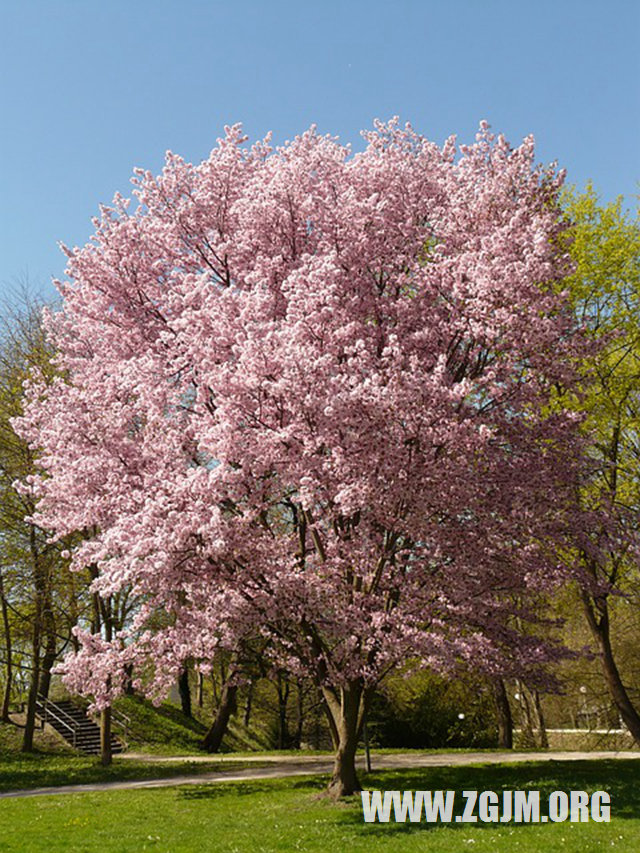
x=427 y=711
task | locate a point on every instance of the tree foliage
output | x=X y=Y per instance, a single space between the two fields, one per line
x=605 y=294
x=40 y=600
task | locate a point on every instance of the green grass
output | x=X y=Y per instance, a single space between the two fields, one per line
x=292 y=815
x=159 y=729
x=164 y=729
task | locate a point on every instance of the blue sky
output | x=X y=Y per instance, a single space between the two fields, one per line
x=88 y=91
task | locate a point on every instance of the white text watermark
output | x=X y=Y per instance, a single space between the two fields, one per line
x=485 y=806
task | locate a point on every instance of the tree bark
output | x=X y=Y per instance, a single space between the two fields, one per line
x=526 y=717
x=30 y=721
x=106 y=756
x=248 y=705
x=597 y=613
x=128 y=684
x=347 y=706
x=503 y=713
x=185 y=692
x=6 y=699
x=48 y=661
x=227 y=707
x=283 y=687
x=39 y=582
x=333 y=730
x=297 y=738
x=542 y=728
x=105 y=620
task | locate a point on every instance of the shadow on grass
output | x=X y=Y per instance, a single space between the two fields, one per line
x=619 y=778
x=313 y=785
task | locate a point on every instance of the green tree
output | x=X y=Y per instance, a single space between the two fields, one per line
x=40 y=600
x=605 y=289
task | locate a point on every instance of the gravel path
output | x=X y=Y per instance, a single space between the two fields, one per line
x=305 y=765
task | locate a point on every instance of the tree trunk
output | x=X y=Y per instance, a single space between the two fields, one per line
x=503 y=713
x=599 y=624
x=106 y=620
x=106 y=756
x=333 y=730
x=30 y=721
x=297 y=738
x=283 y=688
x=185 y=692
x=74 y=609
x=128 y=684
x=48 y=661
x=6 y=699
x=227 y=707
x=526 y=718
x=346 y=706
x=542 y=728
x=248 y=705
x=39 y=582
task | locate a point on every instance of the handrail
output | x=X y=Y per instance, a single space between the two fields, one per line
x=61 y=716
x=119 y=718
x=122 y=720
x=46 y=706
x=60 y=711
x=123 y=716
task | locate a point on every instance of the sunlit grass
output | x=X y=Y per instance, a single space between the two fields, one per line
x=290 y=815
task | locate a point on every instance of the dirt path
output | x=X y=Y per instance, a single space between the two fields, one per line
x=304 y=765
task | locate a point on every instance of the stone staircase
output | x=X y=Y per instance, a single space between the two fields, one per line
x=70 y=721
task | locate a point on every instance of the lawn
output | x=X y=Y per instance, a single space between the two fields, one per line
x=291 y=815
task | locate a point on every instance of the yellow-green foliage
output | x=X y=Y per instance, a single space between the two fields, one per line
x=605 y=293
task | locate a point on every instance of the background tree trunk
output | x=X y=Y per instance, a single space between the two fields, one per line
x=503 y=714
x=227 y=707
x=527 y=723
x=39 y=582
x=597 y=614
x=185 y=692
x=283 y=687
x=128 y=686
x=48 y=659
x=106 y=756
x=297 y=737
x=248 y=705
x=542 y=728
x=6 y=697
x=30 y=721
